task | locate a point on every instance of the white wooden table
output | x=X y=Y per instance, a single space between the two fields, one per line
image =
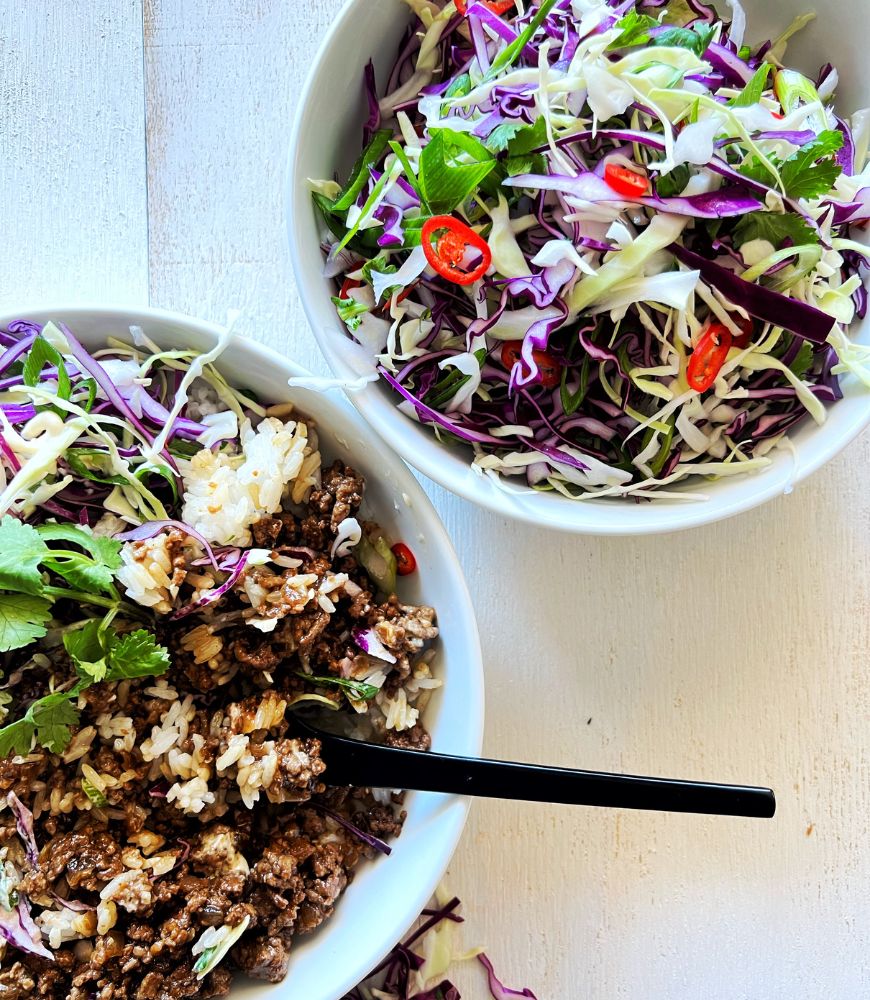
x=142 y=151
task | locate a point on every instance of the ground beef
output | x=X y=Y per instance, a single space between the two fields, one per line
x=87 y=858
x=339 y=496
x=277 y=863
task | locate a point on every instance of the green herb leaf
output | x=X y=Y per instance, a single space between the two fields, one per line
x=87 y=649
x=83 y=573
x=22 y=620
x=17 y=737
x=697 y=38
x=500 y=137
x=136 y=654
x=674 y=183
x=452 y=166
x=755 y=168
x=356 y=690
x=521 y=158
x=754 y=90
x=52 y=716
x=105 y=550
x=803 y=359
x=633 y=30
x=775 y=228
x=360 y=174
x=21 y=552
x=805 y=174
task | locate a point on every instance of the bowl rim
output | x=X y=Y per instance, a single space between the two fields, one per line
x=418 y=446
x=443 y=831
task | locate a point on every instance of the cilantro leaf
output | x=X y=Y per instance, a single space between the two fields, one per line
x=82 y=572
x=754 y=89
x=633 y=30
x=803 y=359
x=452 y=166
x=21 y=551
x=22 y=619
x=805 y=174
x=88 y=650
x=775 y=228
x=521 y=158
x=136 y=654
x=52 y=716
x=755 y=168
x=48 y=720
x=500 y=137
x=697 y=38
x=17 y=737
x=673 y=183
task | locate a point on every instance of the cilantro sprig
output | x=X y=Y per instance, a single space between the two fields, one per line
x=40 y=566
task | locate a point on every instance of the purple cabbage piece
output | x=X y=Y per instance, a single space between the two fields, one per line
x=497 y=989
x=17 y=350
x=368 y=641
x=24 y=825
x=152 y=528
x=763 y=303
x=373 y=122
x=17 y=927
x=367 y=838
x=443 y=991
x=216 y=594
x=434 y=416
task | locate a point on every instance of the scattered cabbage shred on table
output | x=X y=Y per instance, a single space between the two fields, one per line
x=415 y=968
x=607 y=245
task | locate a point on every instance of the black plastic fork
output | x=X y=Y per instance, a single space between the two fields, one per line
x=354 y=762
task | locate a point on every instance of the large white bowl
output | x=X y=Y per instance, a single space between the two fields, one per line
x=388 y=894
x=326 y=141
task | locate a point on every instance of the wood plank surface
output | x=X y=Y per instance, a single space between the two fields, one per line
x=72 y=153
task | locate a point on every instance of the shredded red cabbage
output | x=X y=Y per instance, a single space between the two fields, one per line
x=600 y=330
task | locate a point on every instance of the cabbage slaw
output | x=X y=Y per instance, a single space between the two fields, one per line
x=526 y=127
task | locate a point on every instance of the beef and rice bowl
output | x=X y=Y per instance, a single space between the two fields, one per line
x=179 y=572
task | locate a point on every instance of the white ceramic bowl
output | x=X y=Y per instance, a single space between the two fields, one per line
x=326 y=141
x=388 y=894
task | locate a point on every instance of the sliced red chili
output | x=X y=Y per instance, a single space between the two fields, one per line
x=549 y=368
x=496 y=6
x=405 y=561
x=708 y=357
x=454 y=238
x=747 y=329
x=346 y=288
x=776 y=114
x=624 y=181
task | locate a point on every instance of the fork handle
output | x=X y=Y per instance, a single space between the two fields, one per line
x=357 y=763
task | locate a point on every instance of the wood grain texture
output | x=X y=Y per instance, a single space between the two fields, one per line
x=736 y=652
x=72 y=153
